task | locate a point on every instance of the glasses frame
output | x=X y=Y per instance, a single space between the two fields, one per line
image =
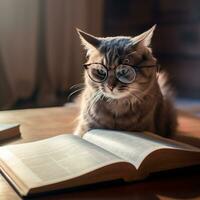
x=135 y=67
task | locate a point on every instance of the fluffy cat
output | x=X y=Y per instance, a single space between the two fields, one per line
x=123 y=90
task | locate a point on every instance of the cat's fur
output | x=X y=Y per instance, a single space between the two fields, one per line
x=143 y=105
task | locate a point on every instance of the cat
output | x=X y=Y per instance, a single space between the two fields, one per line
x=123 y=89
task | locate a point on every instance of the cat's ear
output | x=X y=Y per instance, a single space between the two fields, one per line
x=88 y=40
x=145 y=38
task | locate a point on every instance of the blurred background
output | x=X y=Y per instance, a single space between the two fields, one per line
x=41 y=55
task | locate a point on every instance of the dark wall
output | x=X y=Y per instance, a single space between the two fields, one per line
x=176 y=42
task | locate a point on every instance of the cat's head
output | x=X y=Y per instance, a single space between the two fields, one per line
x=116 y=66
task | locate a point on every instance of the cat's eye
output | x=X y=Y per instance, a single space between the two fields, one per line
x=101 y=72
x=125 y=73
x=97 y=72
x=126 y=61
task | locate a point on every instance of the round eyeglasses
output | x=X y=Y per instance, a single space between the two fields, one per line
x=123 y=72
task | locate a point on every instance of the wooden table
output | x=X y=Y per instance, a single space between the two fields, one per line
x=38 y=124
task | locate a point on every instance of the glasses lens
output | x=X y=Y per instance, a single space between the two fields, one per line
x=97 y=72
x=125 y=73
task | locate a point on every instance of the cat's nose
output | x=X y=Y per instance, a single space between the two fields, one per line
x=111 y=87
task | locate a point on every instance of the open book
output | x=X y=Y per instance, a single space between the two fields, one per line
x=67 y=160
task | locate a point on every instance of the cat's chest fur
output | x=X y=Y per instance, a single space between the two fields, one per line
x=123 y=115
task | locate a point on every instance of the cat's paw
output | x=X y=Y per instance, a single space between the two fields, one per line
x=80 y=131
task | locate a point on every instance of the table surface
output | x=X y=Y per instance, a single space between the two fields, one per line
x=42 y=123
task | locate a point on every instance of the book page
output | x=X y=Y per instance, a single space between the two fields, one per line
x=53 y=160
x=133 y=147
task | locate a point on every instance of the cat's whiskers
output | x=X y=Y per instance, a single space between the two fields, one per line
x=136 y=97
x=92 y=102
x=77 y=85
x=132 y=91
x=94 y=99
x=142 y=94
x=109 y=100
x=74 y=92
x=145 y=93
